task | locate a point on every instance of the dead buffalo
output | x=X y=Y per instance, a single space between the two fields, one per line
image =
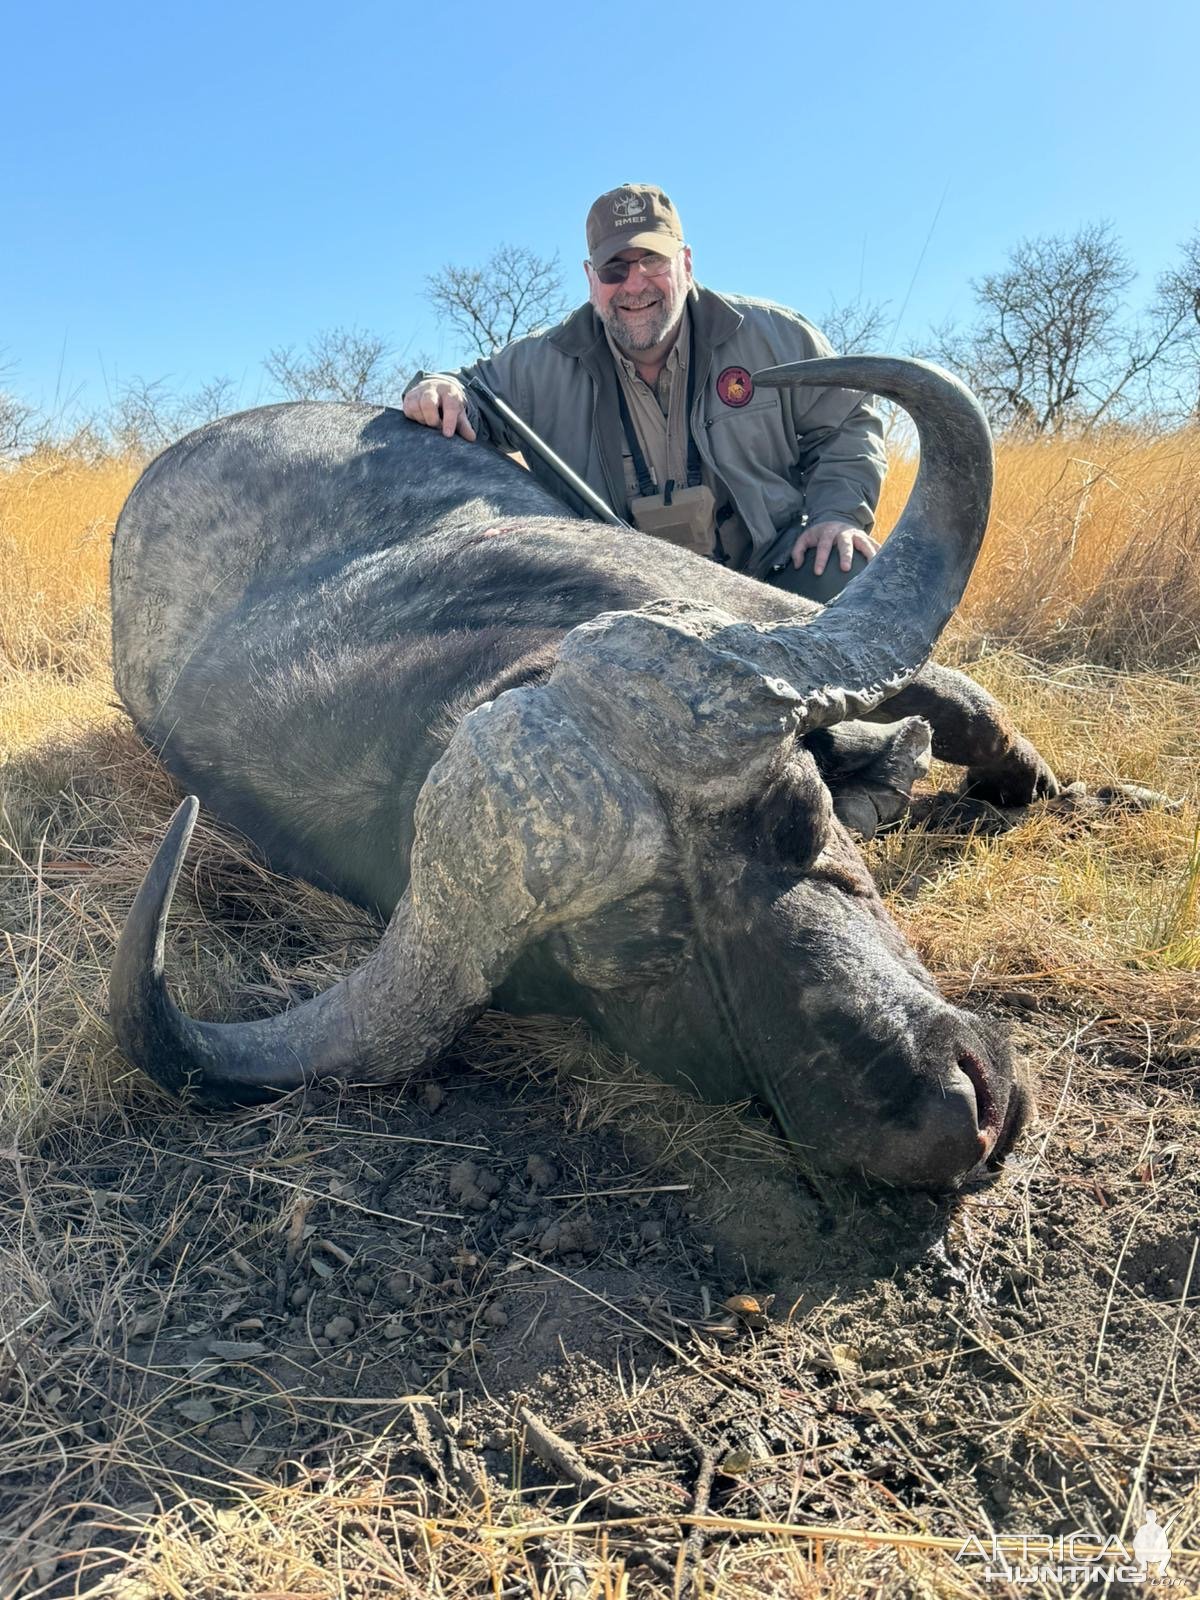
x=582 y=771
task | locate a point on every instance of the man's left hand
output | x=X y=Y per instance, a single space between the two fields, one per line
x=824 y=537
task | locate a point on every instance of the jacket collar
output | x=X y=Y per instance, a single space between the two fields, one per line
x=713 y=321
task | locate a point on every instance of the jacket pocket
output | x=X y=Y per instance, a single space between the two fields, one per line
x=733 y=413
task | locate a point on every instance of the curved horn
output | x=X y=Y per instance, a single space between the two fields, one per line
x=882 y=629
x=521 y=824
x=706 y=703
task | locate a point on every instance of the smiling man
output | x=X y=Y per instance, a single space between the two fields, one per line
x=646 y=391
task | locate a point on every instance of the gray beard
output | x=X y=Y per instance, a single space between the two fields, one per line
x=652 y=332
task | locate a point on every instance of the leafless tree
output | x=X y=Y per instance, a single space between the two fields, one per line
x=148 y=414
x=340 y=364
x=1050 y=345
x=517 y=292
x=856 y=327
x=1175 y=313
x=20 y=425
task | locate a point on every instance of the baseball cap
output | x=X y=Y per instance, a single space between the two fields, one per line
x=637 y=216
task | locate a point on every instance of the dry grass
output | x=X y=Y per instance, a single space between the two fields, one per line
x=1093 y=555
x=1092 y=551
x=56 y=520
x=1088 y=932
x=1117 y=896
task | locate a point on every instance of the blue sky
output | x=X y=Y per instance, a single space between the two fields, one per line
x=186 y=187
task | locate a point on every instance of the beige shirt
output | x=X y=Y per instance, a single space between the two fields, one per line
x=659 y=411
x=659 y=414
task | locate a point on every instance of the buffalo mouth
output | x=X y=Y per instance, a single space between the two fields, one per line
x=1002 y=1110
x=1019 y=1112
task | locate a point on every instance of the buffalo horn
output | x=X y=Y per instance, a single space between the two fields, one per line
x=520 y=825
x=703 y=705
x=882 y=629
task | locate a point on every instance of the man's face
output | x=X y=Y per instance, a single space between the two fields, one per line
x=643 y=311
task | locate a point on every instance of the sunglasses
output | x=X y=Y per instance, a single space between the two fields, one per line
x=653 y=265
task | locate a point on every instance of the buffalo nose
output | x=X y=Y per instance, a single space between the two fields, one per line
x=952 y=1140
x=987 y=1112
x=962 y=1122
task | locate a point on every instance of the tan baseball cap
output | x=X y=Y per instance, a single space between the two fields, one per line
x=637 y=216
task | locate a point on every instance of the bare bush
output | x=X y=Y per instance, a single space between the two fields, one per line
x=21 y=428
x=1047 y=328
x=1176 y=307
x=148 y=414
x=18 y=425
x=348 y=364
x=854 y=327
x=1054 y=345
x=515 y=293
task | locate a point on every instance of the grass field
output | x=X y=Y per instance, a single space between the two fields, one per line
x=282 y=1354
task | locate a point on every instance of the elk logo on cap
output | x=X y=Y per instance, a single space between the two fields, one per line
x=629 y=205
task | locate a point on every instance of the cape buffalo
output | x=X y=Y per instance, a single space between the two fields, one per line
x=582 y=771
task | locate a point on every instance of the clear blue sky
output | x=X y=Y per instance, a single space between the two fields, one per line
x=184 y=187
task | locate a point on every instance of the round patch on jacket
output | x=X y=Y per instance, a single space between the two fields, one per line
x=734 y=386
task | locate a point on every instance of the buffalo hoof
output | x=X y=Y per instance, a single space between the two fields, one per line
x=1021 y=778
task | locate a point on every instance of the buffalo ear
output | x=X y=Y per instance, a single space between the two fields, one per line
x=788 y=823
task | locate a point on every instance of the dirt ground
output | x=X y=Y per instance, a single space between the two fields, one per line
x=539 y=1291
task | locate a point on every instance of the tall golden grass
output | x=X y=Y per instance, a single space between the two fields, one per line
x=1092 y=560
x=56 y=520
x=1093 y=551
x=1093 y=555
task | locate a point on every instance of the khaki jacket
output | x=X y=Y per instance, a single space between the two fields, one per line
x=782 y=454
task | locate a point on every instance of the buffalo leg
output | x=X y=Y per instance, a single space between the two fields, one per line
x=973 y=730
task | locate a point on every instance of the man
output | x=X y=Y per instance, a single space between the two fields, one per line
x=646 y=392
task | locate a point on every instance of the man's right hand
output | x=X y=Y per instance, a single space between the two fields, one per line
x=439 y=403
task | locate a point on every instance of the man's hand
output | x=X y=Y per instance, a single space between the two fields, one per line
x=439 y=403
x=823 y=537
